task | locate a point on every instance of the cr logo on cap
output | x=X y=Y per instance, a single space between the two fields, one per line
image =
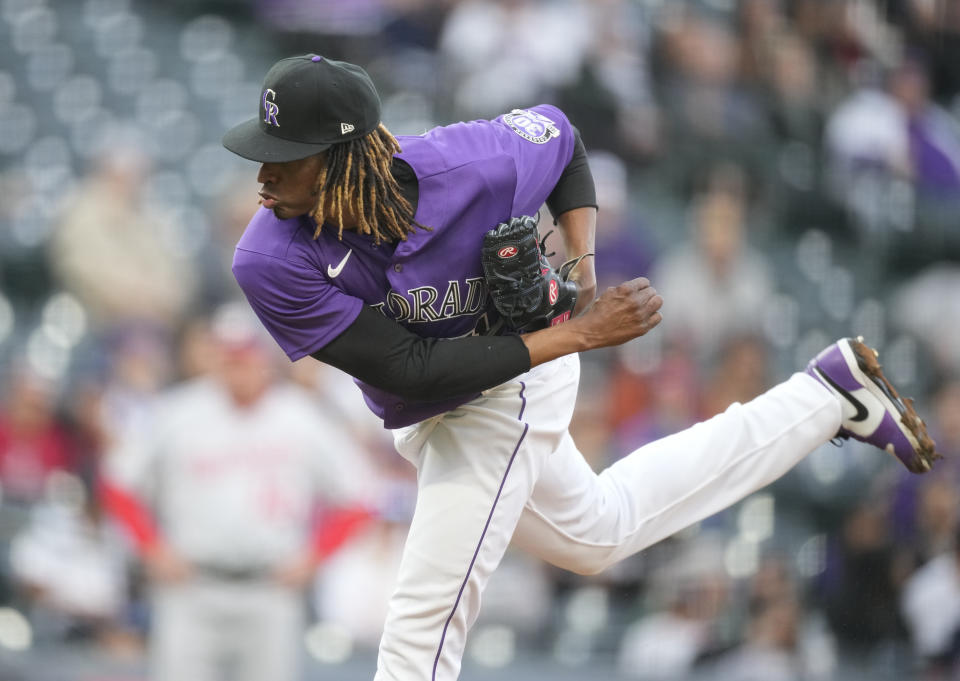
x=270 y=109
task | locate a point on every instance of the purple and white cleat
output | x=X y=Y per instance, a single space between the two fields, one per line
x=873 y=412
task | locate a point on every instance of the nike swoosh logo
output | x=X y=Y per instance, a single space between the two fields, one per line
x=334 y=272
x=861 y=414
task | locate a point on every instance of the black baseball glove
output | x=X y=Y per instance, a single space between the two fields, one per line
x=525 y=288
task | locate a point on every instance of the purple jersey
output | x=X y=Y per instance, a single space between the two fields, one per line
x=471 y=177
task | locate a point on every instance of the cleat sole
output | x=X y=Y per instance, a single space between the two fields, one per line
x=925 y=451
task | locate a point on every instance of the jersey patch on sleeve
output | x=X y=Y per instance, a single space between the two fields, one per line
x=531 y=125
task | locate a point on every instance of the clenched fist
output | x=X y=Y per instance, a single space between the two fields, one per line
x=620 y=314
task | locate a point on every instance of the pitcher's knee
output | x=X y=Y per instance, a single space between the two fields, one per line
x=588 y=564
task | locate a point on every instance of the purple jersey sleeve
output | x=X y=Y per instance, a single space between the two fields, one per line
x=541 y=144
x=294 y=301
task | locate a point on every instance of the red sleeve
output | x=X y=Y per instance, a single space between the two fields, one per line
x=130 y=512
x=335 y=526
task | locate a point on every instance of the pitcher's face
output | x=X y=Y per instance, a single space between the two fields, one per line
x=290 y=189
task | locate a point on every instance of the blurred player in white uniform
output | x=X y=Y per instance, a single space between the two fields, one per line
x=222 y=495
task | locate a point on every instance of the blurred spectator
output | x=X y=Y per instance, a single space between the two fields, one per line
x=221 y=495
x=695 y=592
x=623 y=250
x=796 y=112
x=851 y=32
x=672 y=400
x=945 y=403
x=782 y=638
x=931 y=607
x=868 y=156
x=771 y=583
x=938 y=514
x=933 y=26
x=795 y=108
x=196 y=349
x=896 y=162
x=504 y=53
x=927 y=306
x=769 y=653
x=611 y=96
x=760 y=26
x=738 y=374
x=933 y=133
x=85 y=601
x=590 y=424
x=33 y=440
x=926 y=510
x=860 y=587
x=138 y=359
x=711 y=111
x=776 y=648
x=108 y=248
x=715 y=286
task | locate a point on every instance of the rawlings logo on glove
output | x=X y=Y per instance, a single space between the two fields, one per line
x=525 y=289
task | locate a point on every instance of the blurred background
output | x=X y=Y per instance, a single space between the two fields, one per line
x=786 y=172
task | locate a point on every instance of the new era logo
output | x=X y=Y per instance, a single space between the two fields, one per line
x=345 y=128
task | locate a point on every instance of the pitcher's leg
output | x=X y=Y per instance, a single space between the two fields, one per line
x=476 y=470
x=585 y=522
x=473 y=481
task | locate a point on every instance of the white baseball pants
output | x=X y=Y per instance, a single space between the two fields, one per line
x=503 y=468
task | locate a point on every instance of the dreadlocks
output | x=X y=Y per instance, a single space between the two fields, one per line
x=356 y=179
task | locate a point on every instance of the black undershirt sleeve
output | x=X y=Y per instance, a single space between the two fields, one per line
x=382 y=353
x=575 y=188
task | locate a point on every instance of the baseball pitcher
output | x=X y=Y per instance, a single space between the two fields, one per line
x=413 y=264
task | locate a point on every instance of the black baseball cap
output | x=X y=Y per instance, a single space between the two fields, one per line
x=307 y=104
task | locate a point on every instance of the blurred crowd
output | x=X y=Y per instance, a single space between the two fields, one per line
x=784 y=171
